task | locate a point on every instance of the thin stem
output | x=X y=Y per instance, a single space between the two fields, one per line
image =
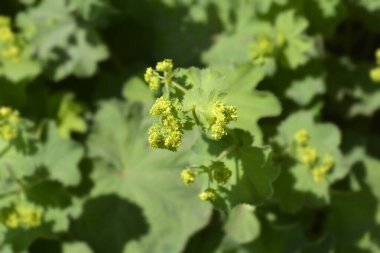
x=15 y=179
x=178 y=86
x=225 y=152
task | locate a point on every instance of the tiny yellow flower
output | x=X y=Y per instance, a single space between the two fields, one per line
x=29 y=216
x=5 y=111
x=165 y=65
x=218 y=130
x=11 y=53
x=308 y=155
x=208 y=194
x=301 y=137
x=8 y=132
x=156 y=139
x=173 y=140
x=377 y=55
x=152 y=78
x=220 y=172
x=12 y=221
x=327 y=162
x=6 y=34
x=374 y=74
x=188 y=176
x=4 y=21
x=319 y=174
x=162 y=107
x=223 y=116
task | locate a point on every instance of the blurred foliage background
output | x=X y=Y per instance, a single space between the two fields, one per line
x=76 y=170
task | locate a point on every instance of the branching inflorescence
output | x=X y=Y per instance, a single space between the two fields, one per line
x=172 y=119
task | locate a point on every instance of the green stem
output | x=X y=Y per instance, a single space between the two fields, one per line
x=15 y=179
x=178 y=86
x=225 y=152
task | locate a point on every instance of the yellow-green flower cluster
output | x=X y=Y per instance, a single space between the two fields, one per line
x=167 y=134
x=216 y=171
x=374 y=73
x=308 y=156
x=223 y=115
x=265 y=46
x=221 y=173
x=319 y=172
x=301 y=137
x=10 y=50
x=155 y=79
x=9 y=121
x=208 y=194
x=188 y=176
x=24 y=215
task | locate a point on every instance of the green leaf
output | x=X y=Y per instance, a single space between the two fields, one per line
x=241 y=227
x=252 y=105
x=60 y=157
x=136 y=90
x=76 y=247
x=69 y=116
x=299 y=47
x=126 y=166
x=303 y=91
x=59 y=42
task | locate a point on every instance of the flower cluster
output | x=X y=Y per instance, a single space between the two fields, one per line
x=308 y=156
x=374 y=73
x=266 y=46
x=167 y=133
x=223 y=115
x=23 y=215
x=9 y=43
x=208 y=194
x=217 y=171
x=155 y=79
x=9 y=121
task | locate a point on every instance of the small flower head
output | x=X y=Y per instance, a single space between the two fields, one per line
x=221 y=173
x=173 y=140
x=328 y=162
x=319 y=174
x=172 y=123
x=6 y=34
x=29 y=216
x=11 y=52
x=162 y=107
x=156 y=139
x=308 y=155
x=223 y=115
x=165 y=65
x=4 y=21
x=218 y=130
x=261 y=48
x=153 y=79
x=208 y=195
x=188 y=176
x=12 y=221
x=374 y=74
x=8 y=133
x=377 y=55
x=24 y=215
x=301 y=137
x=5 y=112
